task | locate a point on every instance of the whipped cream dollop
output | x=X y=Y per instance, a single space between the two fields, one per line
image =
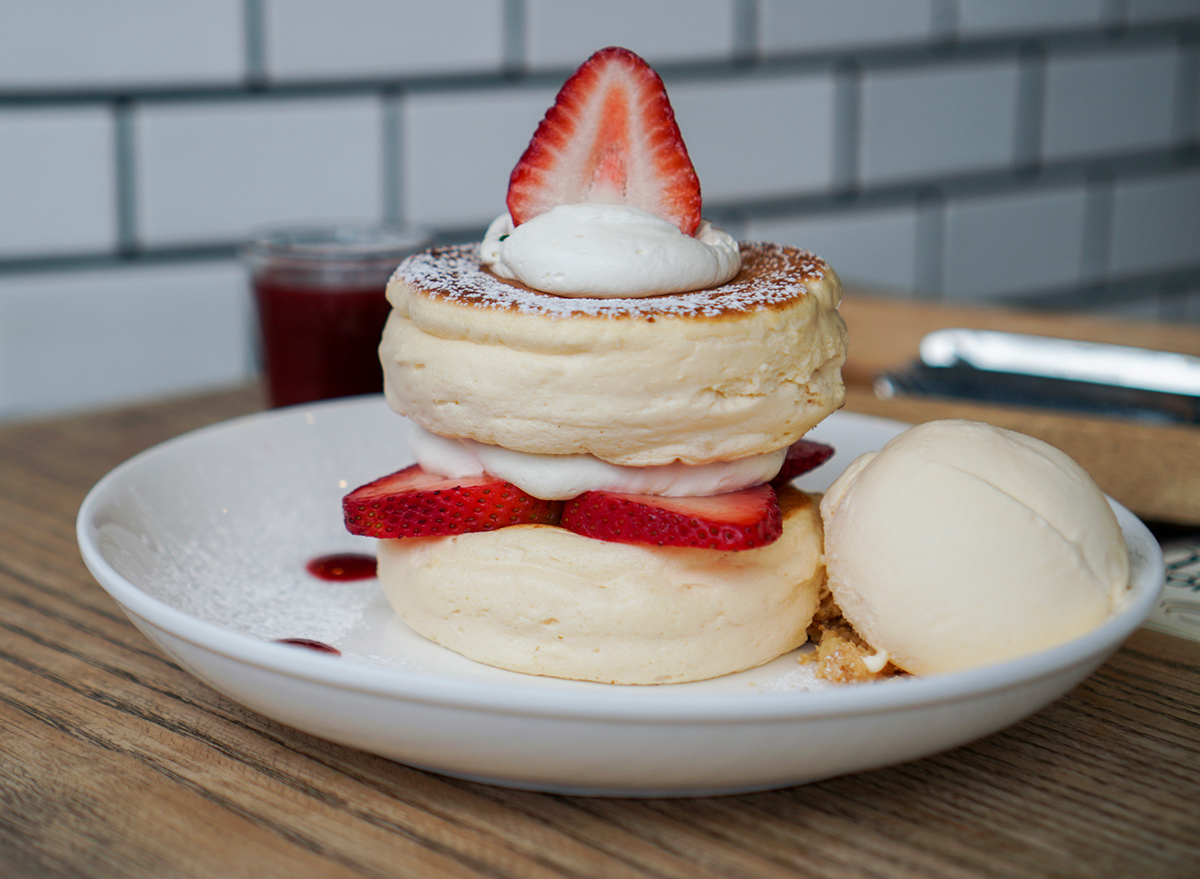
x=608 y=251
x=559 y=477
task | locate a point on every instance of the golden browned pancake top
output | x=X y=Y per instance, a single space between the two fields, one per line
x=771 y=276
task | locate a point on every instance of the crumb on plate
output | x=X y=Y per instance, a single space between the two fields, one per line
x=840 y=654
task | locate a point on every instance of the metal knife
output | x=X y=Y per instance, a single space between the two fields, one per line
x=1014 y=369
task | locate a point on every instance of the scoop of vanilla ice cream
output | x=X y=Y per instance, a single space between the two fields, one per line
x=960 y=544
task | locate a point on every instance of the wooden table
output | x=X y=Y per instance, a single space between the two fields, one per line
x=116 y=763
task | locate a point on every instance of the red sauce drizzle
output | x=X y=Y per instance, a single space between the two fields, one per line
x=342 y=566
x=319 y=646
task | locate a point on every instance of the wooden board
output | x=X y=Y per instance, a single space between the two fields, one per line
x=1152 y=469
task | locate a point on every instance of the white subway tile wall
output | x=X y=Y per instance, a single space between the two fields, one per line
x=1187 y=102
x=1156 y=223
x=979 y=17
x=58 y=187
x=787 y=26
x=950 y=119
x=315 y=39
x=561 y=35
x=758 y=138
x=1014 y=243
x=79 y=339
x=458 y=150
x=869 y=249
x=73 y=45
x=208 y=171
x=1109 y=102
x=1141 y=11
x=1029 y=152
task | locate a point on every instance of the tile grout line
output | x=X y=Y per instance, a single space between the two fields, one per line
x=124 y=175
x=943 y=20
x=847 y=126
x=930 y=245
x=394 y=209
x=746 y=16
x=1029 y=126
x=254 y=42
x=514 y=49
x=1184 y=123
x=1096 y=251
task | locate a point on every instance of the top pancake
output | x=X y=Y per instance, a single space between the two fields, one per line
x=718 y=374
x=771 y=276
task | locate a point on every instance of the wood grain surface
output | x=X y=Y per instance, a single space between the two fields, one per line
x=114 y=762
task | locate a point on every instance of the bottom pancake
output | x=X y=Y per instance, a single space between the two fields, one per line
x=542 y=600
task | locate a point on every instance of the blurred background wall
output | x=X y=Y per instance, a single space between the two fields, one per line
x=1023 y=152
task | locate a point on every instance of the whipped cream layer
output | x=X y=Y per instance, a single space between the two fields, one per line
x=560 y=477
x=608 y=251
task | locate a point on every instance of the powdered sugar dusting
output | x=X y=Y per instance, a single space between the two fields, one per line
x=772 y=275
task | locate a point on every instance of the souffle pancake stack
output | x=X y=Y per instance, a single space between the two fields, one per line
x=608 y=397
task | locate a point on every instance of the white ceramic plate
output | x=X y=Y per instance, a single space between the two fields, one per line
x=203 y=542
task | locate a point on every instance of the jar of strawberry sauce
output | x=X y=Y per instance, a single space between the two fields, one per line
x=319 y=292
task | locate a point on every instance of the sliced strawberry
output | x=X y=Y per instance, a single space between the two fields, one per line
x=415 y=503
x=610 y=137
x=735 y=520
x=802 y=455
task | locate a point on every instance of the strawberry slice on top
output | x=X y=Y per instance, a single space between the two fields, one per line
x=611 y=137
